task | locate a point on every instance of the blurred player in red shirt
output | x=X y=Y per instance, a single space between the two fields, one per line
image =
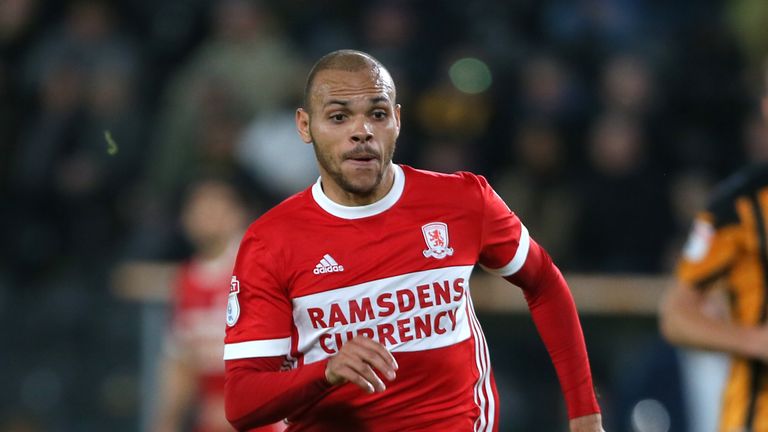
x=214 y=218
x=359 y=285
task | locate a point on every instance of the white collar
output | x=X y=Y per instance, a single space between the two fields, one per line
x=357 y=212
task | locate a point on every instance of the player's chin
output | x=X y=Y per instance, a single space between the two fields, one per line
x=364 y=186
x=362 y=182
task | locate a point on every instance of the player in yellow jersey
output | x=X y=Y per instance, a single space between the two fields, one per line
x=728 y=248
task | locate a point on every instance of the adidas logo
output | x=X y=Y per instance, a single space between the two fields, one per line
x=327 y=265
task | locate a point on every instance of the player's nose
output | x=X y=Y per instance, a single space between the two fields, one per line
x=363 y=132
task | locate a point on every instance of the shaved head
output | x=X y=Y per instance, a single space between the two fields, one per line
x=349 y=61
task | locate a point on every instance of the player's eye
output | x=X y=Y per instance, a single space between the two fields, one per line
x=338 y=118
x=379 y=115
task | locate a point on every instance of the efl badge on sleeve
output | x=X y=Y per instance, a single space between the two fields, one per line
x=436 y=237
x=233 y=306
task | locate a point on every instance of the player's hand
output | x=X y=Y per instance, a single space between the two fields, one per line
x=358 y=362
x=588 y=423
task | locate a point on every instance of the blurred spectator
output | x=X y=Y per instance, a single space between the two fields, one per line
x=755 y=138
x=585 y=26
x=156 y=235
x=626 y=214
x=88 y=37
x=446 y=111
x=191 y=387
x=627 y=85
x=550 y=91
x=688 y=192
x=538 y=187
x=391 y=33
x=20 y=423
x=15 y=18
x=245 y=68
x=447 y=155
x=453 y=118
x=272 y=152
x=17 y=21
x=748 y=20
x=68 y=177
x=706 y=94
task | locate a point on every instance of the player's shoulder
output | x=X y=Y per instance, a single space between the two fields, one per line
x=456 y=182
x=742 y=184
x=285 y=214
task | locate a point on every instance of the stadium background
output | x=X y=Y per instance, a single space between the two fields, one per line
x=604 y=123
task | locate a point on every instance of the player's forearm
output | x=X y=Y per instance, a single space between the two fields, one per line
x=256 y=397
x=554 y=313
x=684 y=322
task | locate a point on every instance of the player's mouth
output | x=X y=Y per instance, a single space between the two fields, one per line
x=362 y=159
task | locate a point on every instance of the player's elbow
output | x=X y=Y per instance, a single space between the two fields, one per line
x=233 y=412
x=236 y=409
x=667 y=329
x=669 y=320
x=243 y=409
x=239 y=419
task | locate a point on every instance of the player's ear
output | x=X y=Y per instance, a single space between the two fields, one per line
x=397 y=119
x=302 y=125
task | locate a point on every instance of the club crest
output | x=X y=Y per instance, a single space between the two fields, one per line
x=233 y=306
x=436 y=237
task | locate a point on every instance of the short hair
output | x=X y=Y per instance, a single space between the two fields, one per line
x=345 y=60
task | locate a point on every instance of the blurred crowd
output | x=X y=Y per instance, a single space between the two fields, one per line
x=603 y=124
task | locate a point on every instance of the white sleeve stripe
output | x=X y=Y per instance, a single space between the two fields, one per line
x=520 y=256
x=257 y=348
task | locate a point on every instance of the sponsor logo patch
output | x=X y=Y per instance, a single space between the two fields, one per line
x=233 y=306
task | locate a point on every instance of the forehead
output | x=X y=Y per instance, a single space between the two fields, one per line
x=366 y=83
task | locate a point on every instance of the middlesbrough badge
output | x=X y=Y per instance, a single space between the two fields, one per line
x=436 y=237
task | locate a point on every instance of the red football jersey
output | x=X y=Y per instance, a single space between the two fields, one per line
x=311 y=274
x=196 y=333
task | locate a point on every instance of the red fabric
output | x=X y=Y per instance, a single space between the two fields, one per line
x=428 y=386
x=407 y=294
x=404 y=283
x=554 y=313
x=257 y=392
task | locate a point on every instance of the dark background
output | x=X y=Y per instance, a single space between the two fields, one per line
x=603 y=123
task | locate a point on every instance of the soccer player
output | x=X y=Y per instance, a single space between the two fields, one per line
x=350 y=306
x=728 y=249
x=191 y=379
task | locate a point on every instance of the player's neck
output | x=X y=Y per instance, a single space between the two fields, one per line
x=216 y=250
x=343 y=197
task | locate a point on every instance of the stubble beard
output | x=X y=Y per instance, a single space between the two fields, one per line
x=360 y=189
x=333 y=169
